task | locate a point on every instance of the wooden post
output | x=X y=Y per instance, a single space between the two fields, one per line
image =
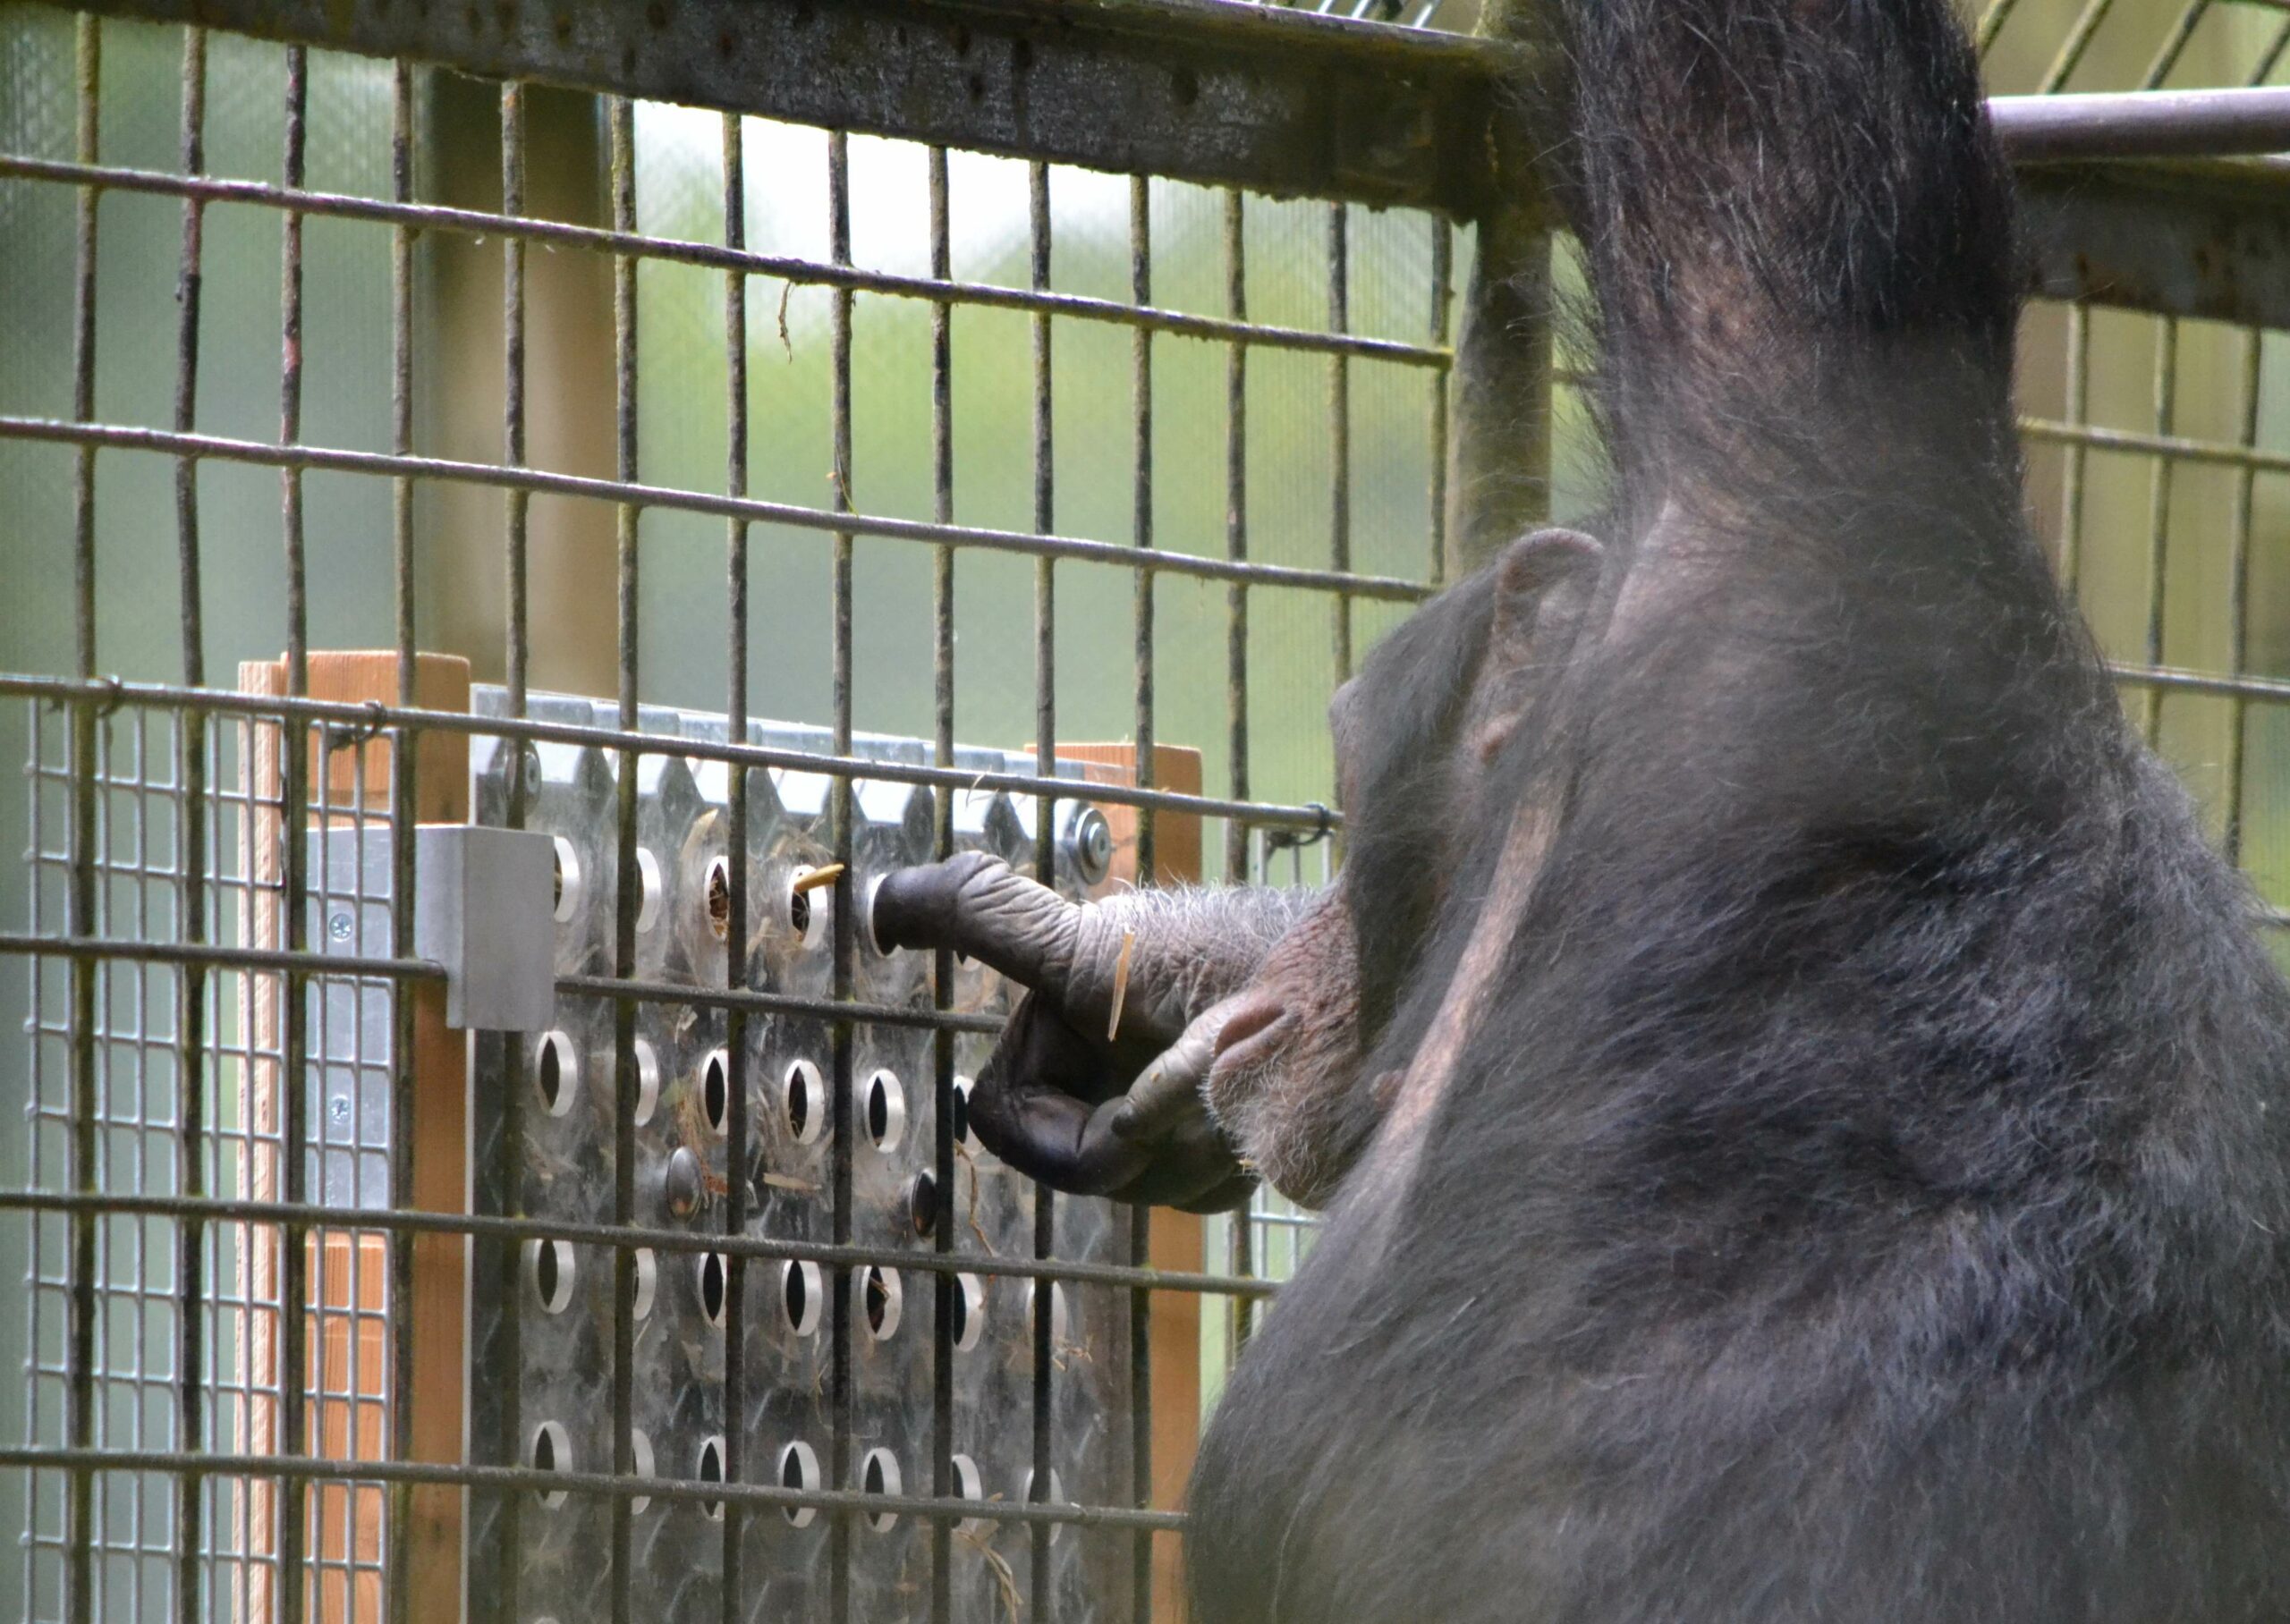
x=348 y=1268
x=1176 y=1240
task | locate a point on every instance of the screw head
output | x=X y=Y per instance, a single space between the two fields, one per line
x=684 y=1182
x=338 y=927
x=1090 y=839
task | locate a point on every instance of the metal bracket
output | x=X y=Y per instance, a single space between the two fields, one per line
x=483 y=911
x=483 y=908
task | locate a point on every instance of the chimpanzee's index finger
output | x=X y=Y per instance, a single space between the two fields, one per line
x=978 y=906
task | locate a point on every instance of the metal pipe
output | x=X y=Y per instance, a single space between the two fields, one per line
x=2143 y=124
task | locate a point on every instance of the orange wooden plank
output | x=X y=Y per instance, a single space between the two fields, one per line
x=343 y=1423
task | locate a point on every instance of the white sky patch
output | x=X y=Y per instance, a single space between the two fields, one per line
x=681 y=153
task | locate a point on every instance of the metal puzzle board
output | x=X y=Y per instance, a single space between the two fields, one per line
x=562 y=1295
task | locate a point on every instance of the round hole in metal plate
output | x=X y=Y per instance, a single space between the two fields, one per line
x=648 y=904
x=880 y=1300
x=648 y=1082
x=550 y=1269
x=880 y=1476
x=564 y=879
x=556 y=1072
x=710 y=1470
x=552 y=1452
x=800 y=1294
x=885 y=1111
x=639 y=1451
x=713 y=1284
x=970 y=1311
x=715 y=1090
x=718 y=891
x=803 y=1099
x=799 y=1469
x=648 y=1281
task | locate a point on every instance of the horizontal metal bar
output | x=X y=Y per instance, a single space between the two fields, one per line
x=556 y=233
x=2137 y=443
x=308 y=1468
x=264 y=453
x=772 y=1249
x=777 y=1004
x=129 y=951
x=367 y=718
x=2273 y=690
x=2143 y=124
x=216 y=956
x=1226 y=95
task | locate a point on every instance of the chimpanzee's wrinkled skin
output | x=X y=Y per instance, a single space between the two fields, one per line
x=1803 y=1110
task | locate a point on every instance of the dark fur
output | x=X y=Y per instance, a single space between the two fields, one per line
x=1866 y=1200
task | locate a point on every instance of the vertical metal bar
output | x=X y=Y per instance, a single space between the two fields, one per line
x=2158 y=513
x=516 y=634
x=1991 y=24
x=1140 y=533
x=512 y=415
x=2238 y=591
x=2078 y=407
x=37 y=1285
x=398 y=1577
x=81 y=1402
x=2270 y=58
x=294 y=1289
x=844 y=944
x=137 y=1063
x=191 y=775
x=2077 y=41
x=733 y=1591
x=1241 y=1259
x=945 y=1289
x=1339 y=434
x=2167 y=55
x=1442 y=275
x=1044 y=1599
x=621 y=118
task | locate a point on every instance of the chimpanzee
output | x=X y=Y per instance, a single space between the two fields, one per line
x=1801 y=1109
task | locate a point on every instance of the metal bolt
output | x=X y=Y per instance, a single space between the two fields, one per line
x=1088 y=841
x=338 y=927
x=684 y=1182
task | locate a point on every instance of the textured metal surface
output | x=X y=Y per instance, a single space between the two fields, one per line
x=559 y=1295
x=2191 y=239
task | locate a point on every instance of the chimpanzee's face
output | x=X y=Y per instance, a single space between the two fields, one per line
x=1415 y=733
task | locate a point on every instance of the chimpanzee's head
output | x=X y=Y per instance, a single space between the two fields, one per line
x=1418 y=736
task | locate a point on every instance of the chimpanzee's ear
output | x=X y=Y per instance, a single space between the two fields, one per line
x=1542 y=584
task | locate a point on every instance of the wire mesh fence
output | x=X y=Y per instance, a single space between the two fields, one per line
x=728 y=418
x=191 y=1446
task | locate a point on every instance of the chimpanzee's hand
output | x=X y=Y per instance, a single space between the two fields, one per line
x=1087 y=1102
